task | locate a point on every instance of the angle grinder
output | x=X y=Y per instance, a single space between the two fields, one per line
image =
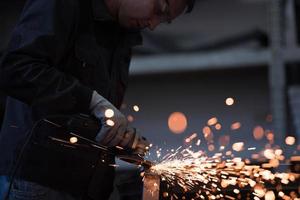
x=85 y=128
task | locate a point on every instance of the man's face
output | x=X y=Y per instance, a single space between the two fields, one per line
x=149 y=13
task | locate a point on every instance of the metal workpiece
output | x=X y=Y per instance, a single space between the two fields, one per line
x=151 y=189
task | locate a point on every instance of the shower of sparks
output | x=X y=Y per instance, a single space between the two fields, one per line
x=208 y=177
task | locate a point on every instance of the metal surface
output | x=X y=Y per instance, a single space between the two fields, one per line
x=151 y=187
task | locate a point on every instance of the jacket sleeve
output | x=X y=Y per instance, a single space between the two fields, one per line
x=28 y=71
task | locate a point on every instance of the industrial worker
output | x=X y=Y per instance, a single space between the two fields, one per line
x=67 y=57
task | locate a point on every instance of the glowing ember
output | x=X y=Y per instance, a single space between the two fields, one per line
x=208 y=135
x=136 y=108
x=269 y=154
x=290 y=140
x=258 y=132
x=73 y=140
x=177 y=122
x=109 y=113
x=190 y=138
x=218 y=127
x=110 y=122
x=229 y=101
x=224 y=140
x=270 y=136
x=212 y=121
x=236 y=125
x=239 y=146
x=270 y=195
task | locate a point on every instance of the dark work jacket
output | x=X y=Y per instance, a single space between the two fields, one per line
x=60 y=51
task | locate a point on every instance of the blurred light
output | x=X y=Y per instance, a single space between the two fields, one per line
x=236 y=126
x=73 y=140
x=224 y=184
x=224 y=140
x=177 y=122
x=187 y=140
x=259 y=190
x=218 y=127
x=229 y=101
x=270 y=136
x=198 y=142
x=281 y=194
x=270 y=195
x=274 y=163
x=269 y=118
x=228 y=153
x=211 y=147
x=206 y=130
x=258 y=132
x=290 y=140
x=236 y=191
x=207 y=133
x=269 y=154
x=109 y=113
x=255 y=156
x=165 y=194
x=193 y=136
x=239 y=146
x=278 y=152
x=136 y=108
x=130 y=118
x=212 y=121
x=110 y=122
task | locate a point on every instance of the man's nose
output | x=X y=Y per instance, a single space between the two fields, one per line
x=153 y=23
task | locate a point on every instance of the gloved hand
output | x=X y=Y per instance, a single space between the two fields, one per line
x=139 y=144
x=115 y=130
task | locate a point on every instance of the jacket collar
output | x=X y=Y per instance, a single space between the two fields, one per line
x=100 y=11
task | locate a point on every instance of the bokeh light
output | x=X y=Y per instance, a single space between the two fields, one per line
x=270 y=195
x=136 y=108
x=218 y=127
x=224 y=140
x=73 y=140
x=236 y=126
x=290 y=140
x=177 y=122
x=212 y=121
x=258 y=132
x=229 y=101
x=239 y=146
x=110 y=122
x=109 y=113
x=130 y=118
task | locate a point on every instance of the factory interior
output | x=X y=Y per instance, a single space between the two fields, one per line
x=217 y=93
